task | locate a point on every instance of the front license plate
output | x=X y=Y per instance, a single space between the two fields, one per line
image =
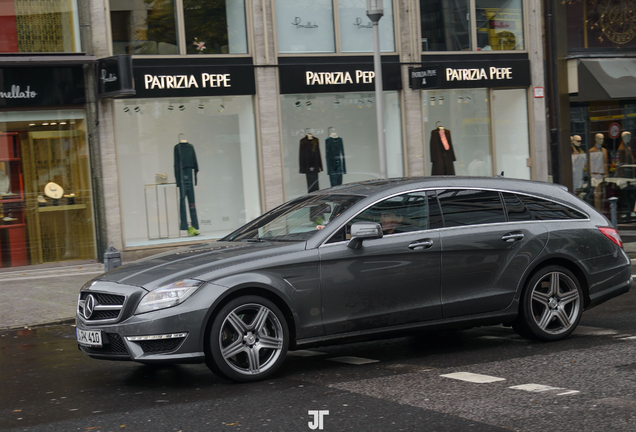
x=92 y=338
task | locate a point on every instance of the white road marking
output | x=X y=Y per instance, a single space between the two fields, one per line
x=472 y=377
x=569 y=392
x=353 y=360
x=629 y=338
x=594 y=331
x=535 y=387
x=305 y=353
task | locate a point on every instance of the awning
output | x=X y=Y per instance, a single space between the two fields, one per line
x=606 y=79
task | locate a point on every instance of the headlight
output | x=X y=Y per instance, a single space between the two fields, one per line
x=168 y=296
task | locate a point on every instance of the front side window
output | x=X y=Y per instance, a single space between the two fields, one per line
x=399 y=214
x=28 y=26
x=149 y=27
x=470 y=207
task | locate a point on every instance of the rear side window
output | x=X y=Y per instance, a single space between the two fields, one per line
x=515 y=208
x=541 y=209
x=470 y=207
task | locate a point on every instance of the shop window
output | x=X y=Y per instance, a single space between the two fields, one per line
x=356 y=29
x=445 y=25
x=464 y=117
x=46 y=205
x=39 y=26
x=331 y=139
x=305 y=26
x=599 y=25
x=511 y=133
x=499 y=25
x=189 y=165
x=149 y=27
x=495 y=25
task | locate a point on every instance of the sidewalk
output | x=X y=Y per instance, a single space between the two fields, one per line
x=39 y=297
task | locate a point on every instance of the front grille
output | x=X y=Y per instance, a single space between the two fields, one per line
x=113 y=344
x=106 y=306
x=157 y=346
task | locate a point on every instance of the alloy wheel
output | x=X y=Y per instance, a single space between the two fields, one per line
x=555 y=303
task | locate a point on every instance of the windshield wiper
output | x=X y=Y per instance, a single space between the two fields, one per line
x=254 y=240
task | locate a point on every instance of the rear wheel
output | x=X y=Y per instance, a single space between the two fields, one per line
x=248 y=340
x=551 y=305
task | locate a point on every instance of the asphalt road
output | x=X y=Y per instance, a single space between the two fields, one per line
x=585 y=383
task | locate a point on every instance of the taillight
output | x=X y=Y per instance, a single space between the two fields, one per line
x=612 y=234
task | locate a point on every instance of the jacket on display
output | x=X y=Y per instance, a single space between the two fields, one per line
x=310 y=160
x=335 y=156
x=185 y=158
x=441 y=157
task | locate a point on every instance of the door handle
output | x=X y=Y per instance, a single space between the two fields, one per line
x=425 y=244
x=512 y=237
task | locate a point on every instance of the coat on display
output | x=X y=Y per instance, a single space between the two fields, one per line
x=441 y=156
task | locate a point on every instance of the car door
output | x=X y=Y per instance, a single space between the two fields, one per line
x=485 y=253
x=390 y=281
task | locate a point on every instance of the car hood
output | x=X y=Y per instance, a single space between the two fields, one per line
x=189 y=262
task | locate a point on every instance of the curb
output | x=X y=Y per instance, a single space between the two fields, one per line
x=39 y=325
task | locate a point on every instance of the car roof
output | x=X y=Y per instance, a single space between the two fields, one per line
x=371 y=187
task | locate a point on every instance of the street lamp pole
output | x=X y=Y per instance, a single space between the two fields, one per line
x=375 y=12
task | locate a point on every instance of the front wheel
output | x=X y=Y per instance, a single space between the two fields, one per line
x=248 y=340
x=551 y=305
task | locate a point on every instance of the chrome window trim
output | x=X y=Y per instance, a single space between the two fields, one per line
x=587 y=216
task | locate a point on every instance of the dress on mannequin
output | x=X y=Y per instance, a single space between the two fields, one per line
x=598 y=169
x=185 y=173
x=579 y=159
x=442 y=154
x=625 y=151
x=336 y=166
x=310 y=161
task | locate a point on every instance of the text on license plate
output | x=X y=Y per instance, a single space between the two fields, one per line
x=89 y=337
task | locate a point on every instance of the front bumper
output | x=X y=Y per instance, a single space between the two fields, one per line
x=187 y=320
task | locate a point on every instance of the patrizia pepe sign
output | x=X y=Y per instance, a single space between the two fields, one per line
x=17 y=93
x=496 y=73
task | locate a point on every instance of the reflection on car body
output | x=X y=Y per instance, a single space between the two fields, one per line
x=460 y=252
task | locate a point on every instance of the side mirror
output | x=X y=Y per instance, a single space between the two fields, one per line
x=364 y=230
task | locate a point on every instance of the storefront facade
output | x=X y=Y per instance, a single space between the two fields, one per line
x=47 y=214
x=283 y=102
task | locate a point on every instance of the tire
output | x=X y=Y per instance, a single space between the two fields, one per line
x=248 y=340
x=551 y=305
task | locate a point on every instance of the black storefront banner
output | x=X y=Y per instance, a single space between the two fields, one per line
x=333 y=75
x=41 y=86
x=471 y=74
x=114 y=77
x=171 y=79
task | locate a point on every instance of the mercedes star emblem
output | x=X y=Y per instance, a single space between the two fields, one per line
x=89 y=306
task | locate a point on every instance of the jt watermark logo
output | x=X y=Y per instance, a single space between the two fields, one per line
x=319 y=418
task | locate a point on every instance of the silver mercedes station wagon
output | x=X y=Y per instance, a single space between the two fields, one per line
x=359 y=261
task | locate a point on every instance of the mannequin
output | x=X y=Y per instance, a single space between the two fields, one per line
x=335 y=157
x=310 y=160
x=185 y=173
x=5 y=182
x=625 y=153
x=579 y=160
x=598 y=168
x=442 y=154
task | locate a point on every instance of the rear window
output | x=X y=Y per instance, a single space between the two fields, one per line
x=470 y=207
x=523 y=208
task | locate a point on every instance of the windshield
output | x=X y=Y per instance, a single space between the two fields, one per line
x=296 y=220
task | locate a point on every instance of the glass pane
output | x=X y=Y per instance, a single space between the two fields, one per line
x=445 y=25
x=46 y=210
x=305 y=26
x=215 y=27
x=470 y=207
x=465 y=116
x=28 y=26
x=515 y=208
x=143 y=27
x=548 y=210
x=342 y=129
x=188 y=164
x=356 y=29
x=499 y=25
x=511 y=132
x=399 y=214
